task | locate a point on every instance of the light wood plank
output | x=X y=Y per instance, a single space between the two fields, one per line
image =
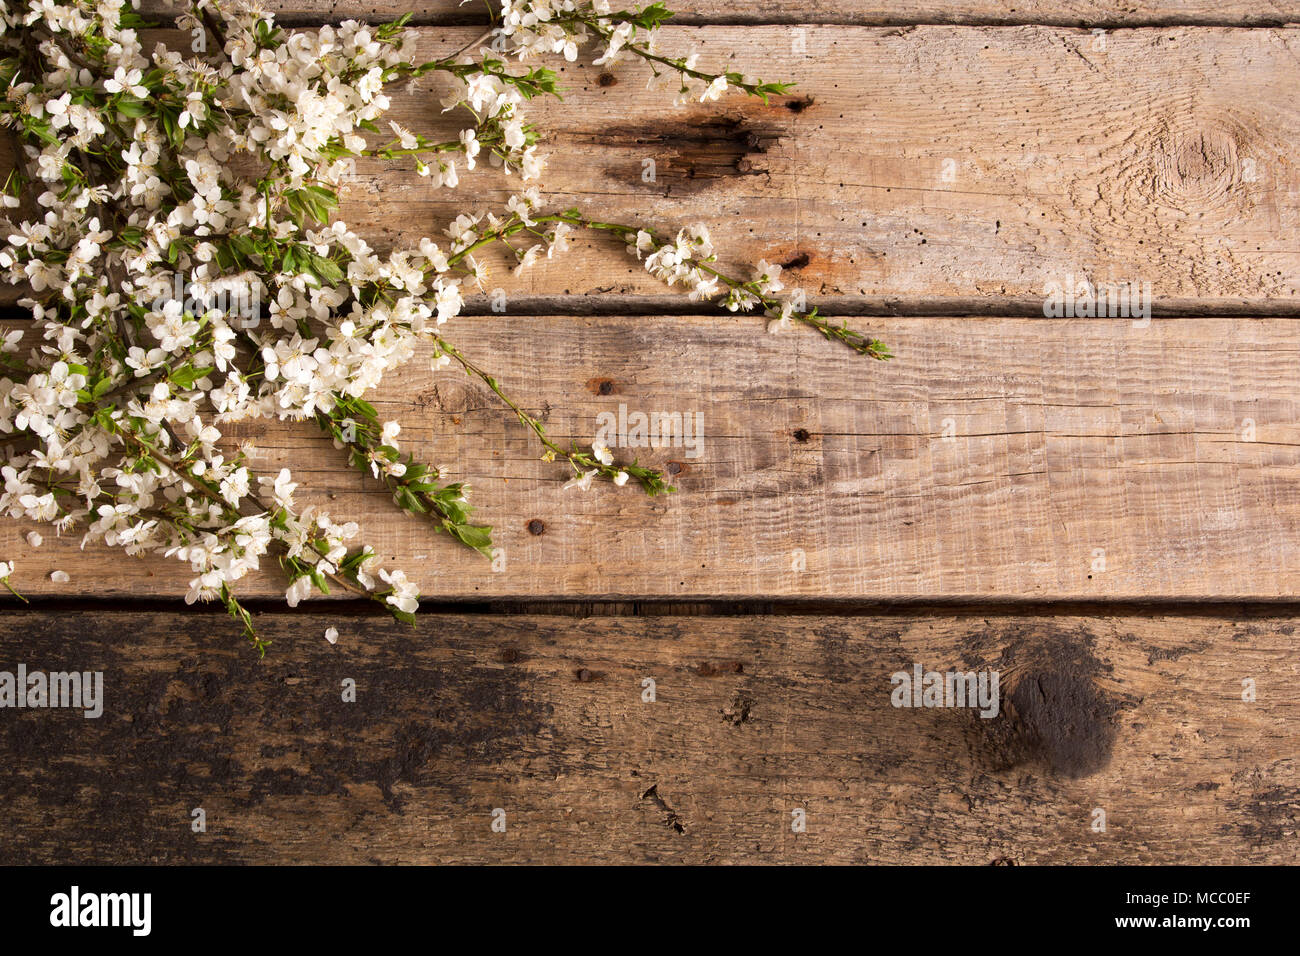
x=1140 y=716
x=1068 y=437
x=938 y=162
x=1166 y=159
x=857 y=12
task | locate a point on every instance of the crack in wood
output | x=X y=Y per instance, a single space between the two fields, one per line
x=671 y=819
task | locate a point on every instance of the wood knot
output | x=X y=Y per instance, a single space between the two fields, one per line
x=452 y=397
x=739 y=711
x=536 y=526
x=1196 y=169
x=1052 y=710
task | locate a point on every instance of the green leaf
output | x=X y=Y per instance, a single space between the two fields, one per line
x=478 y=537
x=171 y=126
x=403 y=616
x=408 y=501
x=327 y=269
x=187 y=375
x=315 y=202
x=131 y=107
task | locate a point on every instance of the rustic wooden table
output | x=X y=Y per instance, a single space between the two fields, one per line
x=1107 y=511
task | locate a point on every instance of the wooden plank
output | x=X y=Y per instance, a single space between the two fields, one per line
x=1086 y=459
x=859 y=12
x=940 y=162
x=960 y=162
x=1138 y=715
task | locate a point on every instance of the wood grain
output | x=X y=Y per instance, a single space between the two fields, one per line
x=1068 y=438
x=939 y=162
x=1139 y=715
x=858 y=12
x=952 y=167
x=933 y=163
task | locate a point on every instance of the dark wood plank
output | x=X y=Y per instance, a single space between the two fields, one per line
x=1140 y=715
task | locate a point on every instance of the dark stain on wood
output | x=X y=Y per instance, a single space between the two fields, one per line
x=716 y=669
x=1052 y=711
x=690 y=154
x=1269 y=815
x=175 y=733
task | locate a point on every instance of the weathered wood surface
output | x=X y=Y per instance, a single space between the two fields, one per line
x=934 y=162
x=1068 y=438
x=938 y=162
x=970 y=165
x=543 y=718
x=1061 y=12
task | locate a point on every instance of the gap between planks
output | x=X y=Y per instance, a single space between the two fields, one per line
x=582 y=607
